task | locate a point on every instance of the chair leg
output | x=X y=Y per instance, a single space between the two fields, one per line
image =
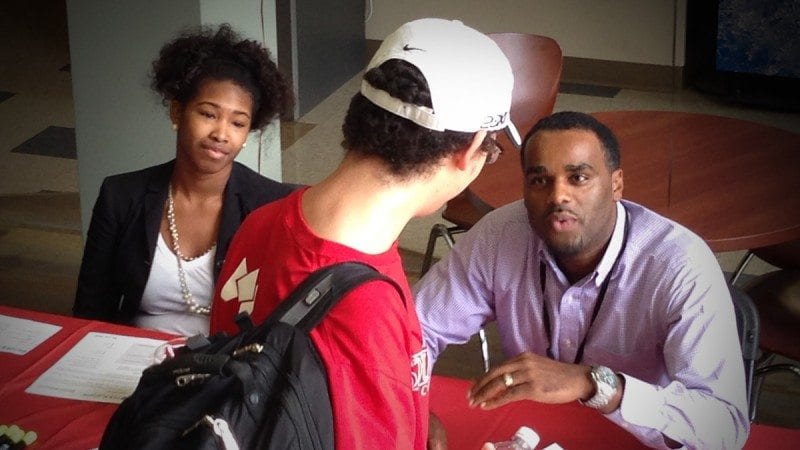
x=740 y=268
x=484 y=349
x=755 y=393
x=751 y=390
x=436 y=231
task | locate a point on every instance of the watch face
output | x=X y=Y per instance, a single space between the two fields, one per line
x=605 y=381
x=605 y=375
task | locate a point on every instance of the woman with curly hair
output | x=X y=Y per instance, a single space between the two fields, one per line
x=158 y=236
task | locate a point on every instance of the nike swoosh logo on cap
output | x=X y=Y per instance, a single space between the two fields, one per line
x=408 y=48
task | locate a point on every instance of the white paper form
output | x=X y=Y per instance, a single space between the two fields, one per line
x=19 y=336
x=101 y=367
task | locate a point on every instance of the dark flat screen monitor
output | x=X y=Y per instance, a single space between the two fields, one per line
x=747 y=50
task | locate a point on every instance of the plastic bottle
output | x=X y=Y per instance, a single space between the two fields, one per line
x=524 y=439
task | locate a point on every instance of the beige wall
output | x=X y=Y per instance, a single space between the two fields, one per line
x=636 y=31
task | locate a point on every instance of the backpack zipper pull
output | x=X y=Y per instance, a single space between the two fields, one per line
x=221 y=429
x=254 y=347
x=183 y=380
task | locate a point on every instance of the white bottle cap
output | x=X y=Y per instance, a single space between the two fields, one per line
x=528 y=436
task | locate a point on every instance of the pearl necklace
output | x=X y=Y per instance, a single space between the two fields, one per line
x=191 y=303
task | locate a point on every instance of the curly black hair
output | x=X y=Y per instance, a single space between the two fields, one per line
x=202 y=53
x=407 y=148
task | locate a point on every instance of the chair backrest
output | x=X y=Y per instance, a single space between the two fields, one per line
x=536 y=62
x=749 y=327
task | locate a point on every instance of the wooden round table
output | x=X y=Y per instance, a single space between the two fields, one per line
x=733 y=182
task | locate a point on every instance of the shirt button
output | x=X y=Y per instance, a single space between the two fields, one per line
x=568 y=342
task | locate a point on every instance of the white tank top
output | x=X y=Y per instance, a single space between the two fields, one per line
x=162 y=306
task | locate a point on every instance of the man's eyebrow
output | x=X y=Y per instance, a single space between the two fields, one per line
x=578 y=167
x=541 y=170
x=536 y=170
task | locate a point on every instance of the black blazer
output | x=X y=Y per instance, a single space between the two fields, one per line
x=124 y=231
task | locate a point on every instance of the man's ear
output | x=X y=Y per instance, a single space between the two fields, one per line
x=175 y=111
x=469 y=155
x=617 y=184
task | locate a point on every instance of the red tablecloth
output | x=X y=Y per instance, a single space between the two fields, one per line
x=72 y=424
x=60 y=423
x=571 y=425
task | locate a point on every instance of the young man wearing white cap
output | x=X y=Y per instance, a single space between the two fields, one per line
x=416 y=135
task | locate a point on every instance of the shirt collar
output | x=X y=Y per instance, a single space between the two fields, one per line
x=613 y=249
x=607 y=261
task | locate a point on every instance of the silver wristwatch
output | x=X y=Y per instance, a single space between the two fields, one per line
x=606 y=384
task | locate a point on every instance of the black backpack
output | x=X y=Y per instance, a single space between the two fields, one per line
x=264 y=388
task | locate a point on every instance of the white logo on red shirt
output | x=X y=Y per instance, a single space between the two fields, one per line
x=421 y=371
x=242 y=285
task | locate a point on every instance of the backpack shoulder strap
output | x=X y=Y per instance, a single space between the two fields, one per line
x=313 y=298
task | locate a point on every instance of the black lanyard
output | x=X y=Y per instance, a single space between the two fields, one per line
x=597 y=304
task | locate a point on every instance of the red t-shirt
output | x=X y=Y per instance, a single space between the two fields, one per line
x=371 y=342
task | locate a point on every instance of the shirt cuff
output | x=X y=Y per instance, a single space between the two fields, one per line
x=644 y=405
x=641 y=404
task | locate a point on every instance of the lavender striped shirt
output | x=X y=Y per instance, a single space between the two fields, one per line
x=666 y=324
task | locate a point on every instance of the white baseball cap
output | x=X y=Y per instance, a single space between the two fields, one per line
x=469 y=77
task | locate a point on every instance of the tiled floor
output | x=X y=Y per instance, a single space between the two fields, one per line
x=40 y=241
